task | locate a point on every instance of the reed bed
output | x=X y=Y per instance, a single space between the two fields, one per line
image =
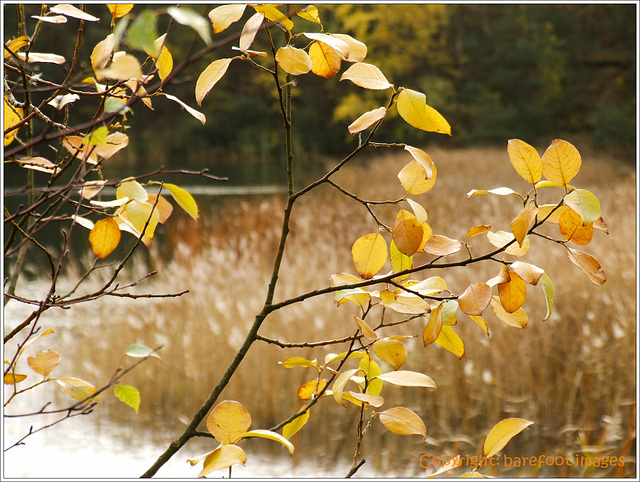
x=573 y=375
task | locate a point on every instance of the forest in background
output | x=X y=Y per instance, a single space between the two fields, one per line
x=534 y=71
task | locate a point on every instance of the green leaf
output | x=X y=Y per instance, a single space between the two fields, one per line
x=293 y=427
x=128 y=395
x=191 y=19
x=184 y=199
x=140 y=351
x=501 y=433
x=77 y=388
x=142 y=33
x=585 y=203
x=98 y=137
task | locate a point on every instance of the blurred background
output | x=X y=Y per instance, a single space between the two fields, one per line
x=496 y=72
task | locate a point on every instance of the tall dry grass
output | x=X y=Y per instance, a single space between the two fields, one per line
x=573 y=375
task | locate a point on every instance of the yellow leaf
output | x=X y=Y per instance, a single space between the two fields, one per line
x=12 y=115
x=501 y=238
x=184 y=199
x=400 y=261
x=272 y=13
x=513 y=293
x=114 y=143
x=365 y=399
x=128 y=395
x=501 y=433
x=293 y=61
x=324 y=59
x=102 y=53
x=250 y=30
x=391 y=351
x=17 y=43
x=268 y=434
x=367 y=119
x=475 y=299
x=44 y=362
x=309 y=389
x=310 y=13
x=10 y=379
x=339 y=46
x=474 y=231
x=402 y=421
x=413 y=108
x=525 y=160
x=585 y=203
x=77 y=388
x=449 y=340
x=547 y=288
x=550 y=213
x=561 y=162
x=480 y=322
x=433 y=327
x=293 y=427
x=427 y=233
x=407 y=233
x=404 y=303
x=119 y=9
x=528 y=272
x=104 y=237
x=223 y=457
x=209 y=77
x=164 y=63
x=416 y=179
x=523 y=221
x=131 y=189
x=228 y=421
x=367 y=76
x=588 y=264
x=357 y=50
x=418 y=210
x=297 y=361
x=429 y=286
x=36 y=57
x=371 y=370
x=422 y=157
x=503 y=277
x=365 y=328
x=369 y=254
x=439 y=245
x=573 y=230
x=223 y=16
x=123 y=67
x=406 y=378
x=341 y=381
x=517 y=319
x=141 y=214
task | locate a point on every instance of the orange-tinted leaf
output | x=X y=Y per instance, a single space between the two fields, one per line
x=369 y=254
x=501 y=433
x=474 y=231
x=407 y=233
x=44 y=362
x=104 y=237
x=293 y=61
x=572 y=229
x=475 y=299
x=228 y=421
x=119 y=10
x=309 y=389
x=324 y=59
x=427 y=233
x=525 y=160
x=434 y=326
x=402 y=421
x=550 y=213
x=439 y=245
x=11 y=379
x=588 y=264
x=517 y=319
x=523 y=221
x=512 y=293
x=561 y=162
x=163 y=206
x=366 y=76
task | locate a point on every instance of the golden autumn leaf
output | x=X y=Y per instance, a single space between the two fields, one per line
x=402 y=421
x=513 y=293
x=561 y=162
x=357 y=50
x=480 y=322
x=391 y=351
x=501 y=433
x=209 y=77
x=12 y=115
x=293 y=427
x=475 y=299
x=325 y=61
x=413 y=108
x=223 y=16
x=228 y=421
x=367 y=76
x=365 y=328
x=104 y=237
x=523 y=221
x=547 y=288
x=310 y=13
x=367 y=119
x=418 y=210
x=339 y=46
x=449 y=340
x=293 y=61
x=272 y=13
x=407 y=233
x=102 y=53
x=369 y=254
x=588 y=264
x=184 y=199
x=44 y=362
x=416 y=179
x=11 y=379
x=359 y=399
x=223 y=457
x=422 y=157
x=573 y=230
x=340 y=382
x=433 y=327
x=18 y=43
x=501 y=238
x=309 y=389
x=427 y=234
x=550 y=213
x=525 y=160
x=517 y=319
x=399 y=261
x=297 y=361
x=474 y=231
x=119 y=10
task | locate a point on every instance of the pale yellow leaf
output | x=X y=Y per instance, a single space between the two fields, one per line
x=523 y=221
x=123 y=67
x=585 y=203
x=77 y=388
x=367 y=119
x=528 y=272
x=71 y=11
x=561 y=162
x=550 y=213
x=406 y=378
x=228 y=421
x=223 y=16
x=418 y=210
x=268 y=434
x=404 y=303
x=209 y=77
x=104 y=237
x=365 y=328
x=499 y=191
x=223 y=457
x=517 y=319
x=37 y=164
x=357 y=50
x=51 y=18
x=416 y=179
x=250 y=30
x=501 y=433
x=547 y=288
x=525 y=160
x=143 y=216
x=433 y=327
x=413 y=108
x=439 y=245
x=359 y=399
x=422 y=157
x=500 y=239
x=131 y=189
x=198 y=115
x=402 y=421
x=341 y=381
x=339 y=46
x=293 y=61
x=367 y=76
x=102 y=53
x=38 y=57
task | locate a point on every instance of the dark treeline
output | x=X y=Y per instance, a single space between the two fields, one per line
x=531 y=71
